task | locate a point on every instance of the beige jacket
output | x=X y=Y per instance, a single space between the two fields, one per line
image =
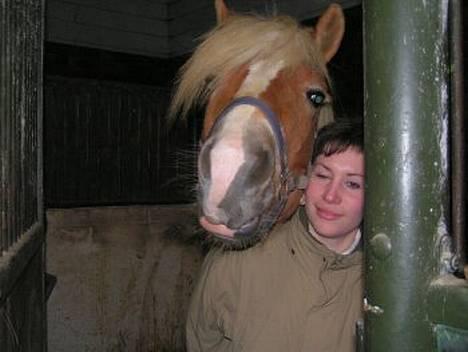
x=288 y=294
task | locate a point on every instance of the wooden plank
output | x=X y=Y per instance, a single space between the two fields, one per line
x=161 y=28
x=105 y=38
x=112 y=145
x=15 y=260
x=155 y=9
x=22 y=324
x=119 y=21
x=22 y=43
x=22 y=305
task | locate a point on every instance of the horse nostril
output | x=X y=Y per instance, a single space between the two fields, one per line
x=260 y=150
x=262 y=166
x=236 y=215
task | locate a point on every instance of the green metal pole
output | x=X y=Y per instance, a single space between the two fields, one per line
x=406 y=132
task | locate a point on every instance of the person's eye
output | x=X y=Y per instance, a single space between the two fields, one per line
x=321 y=175
x=353 y=185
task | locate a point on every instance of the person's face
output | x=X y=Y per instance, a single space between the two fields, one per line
x=334 y=198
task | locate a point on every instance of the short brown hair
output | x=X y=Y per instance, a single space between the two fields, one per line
x=337 y=137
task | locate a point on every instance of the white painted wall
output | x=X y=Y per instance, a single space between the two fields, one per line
x=155 y=28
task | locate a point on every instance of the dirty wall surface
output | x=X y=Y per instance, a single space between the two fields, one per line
x=124 y=277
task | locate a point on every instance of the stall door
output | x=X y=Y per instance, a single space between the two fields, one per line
x=22 y=260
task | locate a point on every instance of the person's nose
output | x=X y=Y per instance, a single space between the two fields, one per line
x=331 y=193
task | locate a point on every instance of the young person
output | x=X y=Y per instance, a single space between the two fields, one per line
x=301 y=288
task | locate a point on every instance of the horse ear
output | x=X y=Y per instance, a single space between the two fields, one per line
x=329 y=31
x=222 y=12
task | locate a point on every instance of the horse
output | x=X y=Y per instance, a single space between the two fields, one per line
x=265 y=85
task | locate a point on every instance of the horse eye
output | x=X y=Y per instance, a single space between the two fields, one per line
x=316 y=97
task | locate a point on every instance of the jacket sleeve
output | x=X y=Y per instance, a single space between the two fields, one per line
x=204 y=324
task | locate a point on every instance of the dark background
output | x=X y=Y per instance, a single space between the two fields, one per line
x=106 y=138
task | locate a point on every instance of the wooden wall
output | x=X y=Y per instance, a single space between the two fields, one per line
x=157 y=28
x=109 y=143
x=22 y=252
x=138 y=27
x=23 y=311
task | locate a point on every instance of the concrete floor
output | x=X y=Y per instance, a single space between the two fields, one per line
x=124 y=277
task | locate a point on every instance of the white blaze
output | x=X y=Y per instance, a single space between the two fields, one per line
x=260 y=75
x=226 y=159
x=227 y=156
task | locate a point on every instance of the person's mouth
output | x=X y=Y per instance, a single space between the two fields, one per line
x=327 y=214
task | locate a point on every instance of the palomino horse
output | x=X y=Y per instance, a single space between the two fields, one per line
x=267 y=89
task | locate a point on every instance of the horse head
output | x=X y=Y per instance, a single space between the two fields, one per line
x=267 y=89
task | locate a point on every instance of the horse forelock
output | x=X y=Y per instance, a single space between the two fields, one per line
x=241 y=40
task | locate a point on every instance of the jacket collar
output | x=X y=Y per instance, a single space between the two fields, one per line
x=302 y=244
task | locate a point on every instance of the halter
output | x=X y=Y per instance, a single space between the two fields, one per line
x=289 y=182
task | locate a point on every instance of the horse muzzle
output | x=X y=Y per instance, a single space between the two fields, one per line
x=238 y=181
x=243 y=181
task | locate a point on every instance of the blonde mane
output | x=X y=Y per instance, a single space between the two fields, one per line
x=242 y=39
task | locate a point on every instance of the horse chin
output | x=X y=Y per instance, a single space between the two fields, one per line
x=219 y=230
x=235 y=239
